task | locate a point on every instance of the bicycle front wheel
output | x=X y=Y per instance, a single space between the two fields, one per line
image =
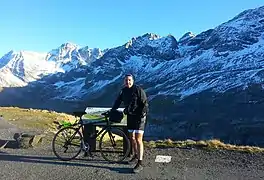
x=66 y=144
x=114 y=145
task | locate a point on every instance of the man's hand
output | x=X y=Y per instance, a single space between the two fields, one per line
x=143 y=115
x=125 y=111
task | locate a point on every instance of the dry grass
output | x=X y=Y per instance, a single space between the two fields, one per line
x=33 y=118
x=208 y=144
x=43 y=120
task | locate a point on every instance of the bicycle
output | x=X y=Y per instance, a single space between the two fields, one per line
x=113 y=138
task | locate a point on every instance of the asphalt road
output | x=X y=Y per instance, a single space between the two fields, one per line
x=186 y=164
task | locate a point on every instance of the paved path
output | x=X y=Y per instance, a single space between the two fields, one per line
x=186 y=164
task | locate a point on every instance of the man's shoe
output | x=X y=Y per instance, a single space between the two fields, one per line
x=138 y=168
x=133 y=160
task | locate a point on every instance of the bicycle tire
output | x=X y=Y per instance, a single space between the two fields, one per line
x=125 y=140
x=76 y=131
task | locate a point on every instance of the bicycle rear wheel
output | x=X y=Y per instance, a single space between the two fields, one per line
x=114 y=145
x=66 y=144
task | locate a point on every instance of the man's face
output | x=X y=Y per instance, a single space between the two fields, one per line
x=128 y=81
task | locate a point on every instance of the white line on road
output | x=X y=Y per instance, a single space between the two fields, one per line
x=160 y=158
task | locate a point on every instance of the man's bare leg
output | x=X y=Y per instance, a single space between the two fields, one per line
x=133 y=143
x=140 y=148
x=140 y=145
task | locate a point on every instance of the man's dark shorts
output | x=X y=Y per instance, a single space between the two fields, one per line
x=136 y=123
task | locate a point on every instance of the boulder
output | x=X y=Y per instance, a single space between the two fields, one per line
x=28 y=140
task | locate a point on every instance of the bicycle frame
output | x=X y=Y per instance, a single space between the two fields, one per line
x=81 y=126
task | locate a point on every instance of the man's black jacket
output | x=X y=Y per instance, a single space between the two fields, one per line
x=134 y=100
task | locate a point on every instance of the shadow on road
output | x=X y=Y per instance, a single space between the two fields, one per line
x=55 y=161
x=8 y=144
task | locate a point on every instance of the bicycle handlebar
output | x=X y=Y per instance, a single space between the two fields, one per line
x=106 y=114
x=78 y=114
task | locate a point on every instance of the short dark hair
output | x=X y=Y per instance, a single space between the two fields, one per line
x=129 y=75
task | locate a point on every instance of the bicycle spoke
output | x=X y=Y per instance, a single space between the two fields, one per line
x=66 y=144
x=112 y=144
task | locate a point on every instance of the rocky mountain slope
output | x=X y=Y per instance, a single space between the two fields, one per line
x=202 y=86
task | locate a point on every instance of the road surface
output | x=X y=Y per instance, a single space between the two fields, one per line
x=185 y=164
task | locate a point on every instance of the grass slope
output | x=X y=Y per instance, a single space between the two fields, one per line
x=213 y=144
x=43 y=120
x=33 y=118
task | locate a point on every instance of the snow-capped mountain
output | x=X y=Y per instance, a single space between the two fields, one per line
x=208 y=85
x=19 y=68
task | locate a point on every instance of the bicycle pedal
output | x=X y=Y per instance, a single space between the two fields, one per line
x=86 y=147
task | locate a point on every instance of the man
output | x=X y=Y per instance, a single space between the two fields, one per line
x=136 y=108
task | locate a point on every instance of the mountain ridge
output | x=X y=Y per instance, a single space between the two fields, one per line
x=195 y=85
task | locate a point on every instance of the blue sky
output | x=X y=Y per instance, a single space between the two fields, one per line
x=41 y=25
